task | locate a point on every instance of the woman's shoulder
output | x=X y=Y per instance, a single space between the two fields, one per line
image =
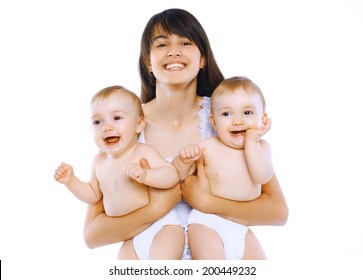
x=149 y=107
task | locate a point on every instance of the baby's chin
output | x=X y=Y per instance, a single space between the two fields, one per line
x=239 y=144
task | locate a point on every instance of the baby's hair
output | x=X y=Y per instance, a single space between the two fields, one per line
x=109 y=91
x=231 y=85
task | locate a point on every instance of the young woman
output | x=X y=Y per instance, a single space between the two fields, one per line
x=179 y=73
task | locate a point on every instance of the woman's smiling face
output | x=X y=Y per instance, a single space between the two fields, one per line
x=174 y=59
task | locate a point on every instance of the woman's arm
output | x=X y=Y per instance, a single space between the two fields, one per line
x=100 y=229
x=268 y=209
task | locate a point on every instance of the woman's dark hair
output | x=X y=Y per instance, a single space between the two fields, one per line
x=184 y=24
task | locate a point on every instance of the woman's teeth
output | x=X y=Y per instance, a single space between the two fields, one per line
x=173 y=66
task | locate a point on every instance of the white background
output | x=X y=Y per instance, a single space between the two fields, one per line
x=305 y=55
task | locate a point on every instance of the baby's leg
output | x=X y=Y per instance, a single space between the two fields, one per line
x=253 y=248
x=205 y=243
x=168 y=244
x=127 y=251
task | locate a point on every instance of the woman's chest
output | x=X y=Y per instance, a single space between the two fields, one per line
x=169 y=140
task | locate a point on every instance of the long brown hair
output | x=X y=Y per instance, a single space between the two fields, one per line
x=184 y=24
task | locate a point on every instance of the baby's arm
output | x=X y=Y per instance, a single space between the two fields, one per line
x=258 y=155
x=185 y=162
x=86 y=192
x=161 y=175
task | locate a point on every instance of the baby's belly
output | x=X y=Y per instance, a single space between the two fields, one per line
x=237 y=190
x=119 y=204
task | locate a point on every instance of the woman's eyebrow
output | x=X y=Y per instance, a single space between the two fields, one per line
x=161 y=36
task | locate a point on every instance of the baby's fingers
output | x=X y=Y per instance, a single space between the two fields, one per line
x=133 y=170
x=190 y=152
x=61 y=171
x=199 y=153
x=137 y=174
x=187 y=153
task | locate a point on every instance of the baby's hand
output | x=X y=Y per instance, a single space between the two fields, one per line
x=64 y=173
x=136 y=172
x=255 y=134
x=191 y=153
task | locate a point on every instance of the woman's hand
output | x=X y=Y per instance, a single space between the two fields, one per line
x=196 y=190
x=268 y=209
x=100 y=229
x=161 y=201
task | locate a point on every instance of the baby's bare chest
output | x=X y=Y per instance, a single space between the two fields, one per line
x=112 y=177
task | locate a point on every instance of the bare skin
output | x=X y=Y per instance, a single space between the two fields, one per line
x=172 y=122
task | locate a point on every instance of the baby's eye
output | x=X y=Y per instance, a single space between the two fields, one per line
x=248 y=113
x=116 y=118
x=96 y=122
x=226 y=114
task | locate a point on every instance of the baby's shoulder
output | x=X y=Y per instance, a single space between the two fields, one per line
x=144 y=147
x=210 y=141
x=145 y=151
x=100 y=156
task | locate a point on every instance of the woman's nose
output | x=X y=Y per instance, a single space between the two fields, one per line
x=174 y=51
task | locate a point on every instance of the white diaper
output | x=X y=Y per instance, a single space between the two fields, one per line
x=183 y=209
x=142 y=241
x=231 y=233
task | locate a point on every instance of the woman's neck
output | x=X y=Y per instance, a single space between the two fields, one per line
x=172 y=120
x=175 y=106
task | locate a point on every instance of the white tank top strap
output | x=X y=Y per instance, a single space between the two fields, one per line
x=205 y=127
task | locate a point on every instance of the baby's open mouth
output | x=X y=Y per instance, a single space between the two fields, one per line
x=239 y=132
x=112 y=140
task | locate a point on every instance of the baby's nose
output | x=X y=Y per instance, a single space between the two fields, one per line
x=238 y=121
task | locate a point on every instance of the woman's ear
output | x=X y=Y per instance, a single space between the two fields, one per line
x=147 y=63
x=202 y=63
x=140 y=125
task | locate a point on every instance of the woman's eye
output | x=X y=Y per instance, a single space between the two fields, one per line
x=161 y=45
x=187 y=43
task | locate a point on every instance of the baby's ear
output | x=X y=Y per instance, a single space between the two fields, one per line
x=264 y=119
x=212 y=121
x=140 y=125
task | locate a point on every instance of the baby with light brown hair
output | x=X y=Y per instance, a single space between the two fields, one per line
x=117 y=177
x=237 y=162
